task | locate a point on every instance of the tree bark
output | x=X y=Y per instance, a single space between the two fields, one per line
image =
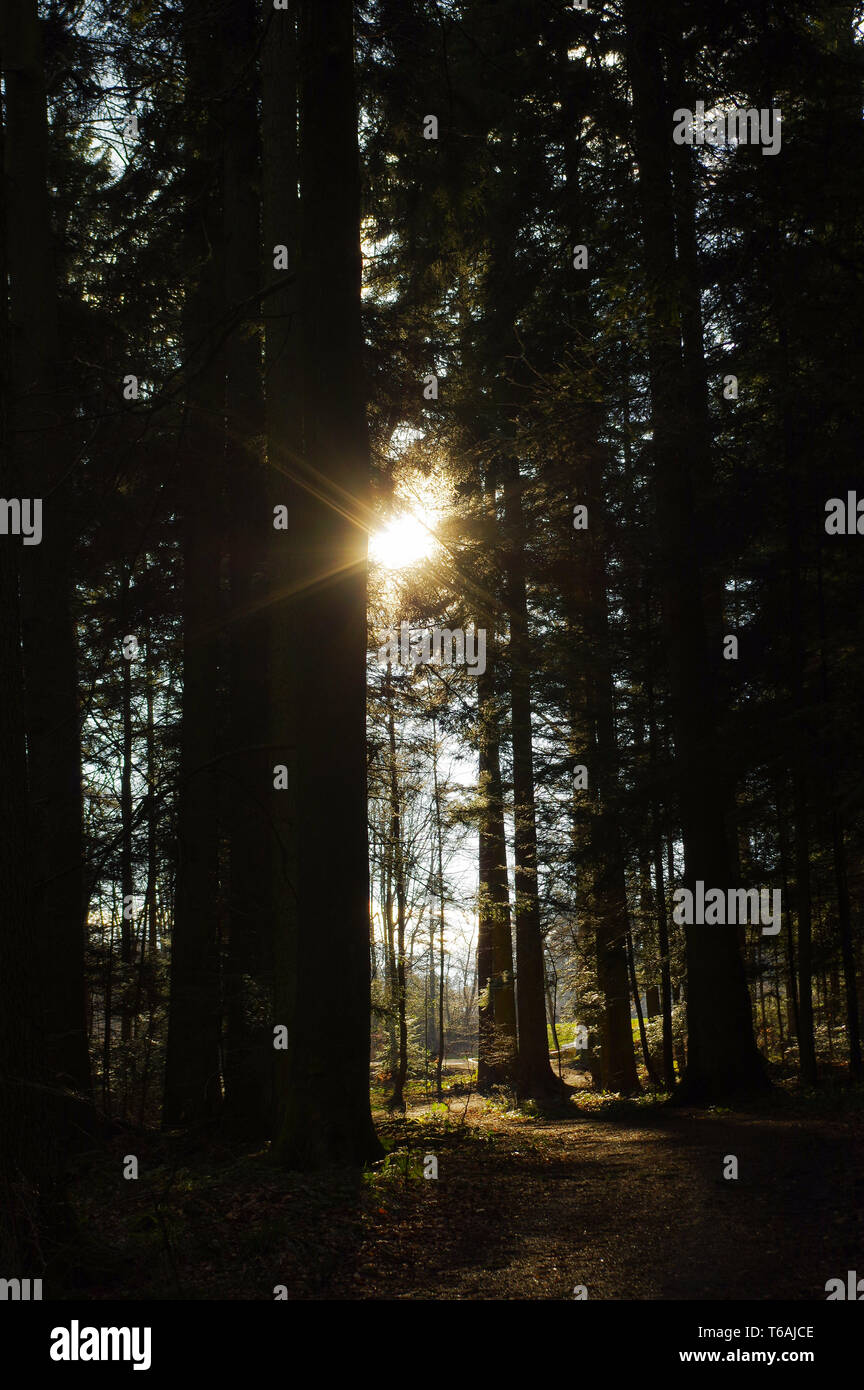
x=192 y=1087
x=284 y=431
x=439 y=845
x=24 y=1117
x=722 y=1054
x=608 y=889
x=535 y=1077
x=41 y=431
x=400 y=1073
x=497 y=1039
x=249 y=1052
x=327 y=1118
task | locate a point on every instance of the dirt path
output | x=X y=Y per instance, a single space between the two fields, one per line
x=630 y=1205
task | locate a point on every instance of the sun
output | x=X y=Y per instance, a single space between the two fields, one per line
x=404 y=541
x=408 y=532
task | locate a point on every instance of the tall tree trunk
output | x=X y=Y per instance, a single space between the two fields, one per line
x=497 y=1047
x=432 y=1039
x=284 y=426
x=108 y=1004
x=609 y=893
x=722 y=1054
x=595 y=678
x=535 y=1077
x=149 y=946
x=127 y=884
x=25 y=1121
x=804 y=914
x=327 y=1118
x=841 y=877
x=660 y=895
x=498 y=1042
x=400 y=1075
x=192 y=1088
x=41 y=425
x=439 y=845
x=792 y=976
x=249 y=1052
x=44 y=1058
x=390 y=971
x=802 y=760
x=640 y=1017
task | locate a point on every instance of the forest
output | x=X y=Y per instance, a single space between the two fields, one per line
x=432 y=795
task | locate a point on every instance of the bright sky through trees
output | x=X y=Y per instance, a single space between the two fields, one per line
x=404 y=540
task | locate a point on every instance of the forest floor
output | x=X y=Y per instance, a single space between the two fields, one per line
x=626 y=1198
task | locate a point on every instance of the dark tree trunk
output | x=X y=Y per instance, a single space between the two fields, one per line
x=804 y=914
x=24 y=1118
x=41 y=424
x=792 y=975
x=390 y=972
x=400 y=1073
x=535 y=1077
x=327 y=1118
x=192 y=1089
x=439 y=845
x=637 y=1004
x=149 y=945
x=660 y=900
x=841 y=876
x=609 y=894
x=249 y=1052
x=283 y=399
x=593 y=677
x=497 y=1048
x=497 y=1045
x=44 y=1058
x=127 y=884
x=722 y=1054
